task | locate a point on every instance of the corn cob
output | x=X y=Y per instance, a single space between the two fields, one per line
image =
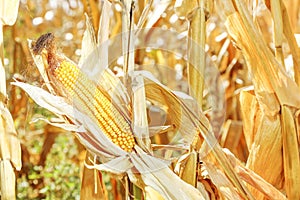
x=95 y=104
x=87 y=97
x=91 y=100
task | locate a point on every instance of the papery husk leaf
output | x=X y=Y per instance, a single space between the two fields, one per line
x=156 y=174
x=187 y=168
x=120 y=165
x=103 y=32
x=140 y=120
x=201 y=187
x=153 y=172
x=105 y=146
x=62 y=124
x=221 y=172
x=103 y=35
x=93 y=11
x=55 y=104
x=89 y=133
x=211 y=146
x=89 y=42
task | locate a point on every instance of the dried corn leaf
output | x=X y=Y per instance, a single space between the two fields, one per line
x=217 y=176
x=91 y=8
x=270 y=80
x=103 y=32
x=278 y=30
x=290 y=154
x=250 y=111
x=188 y=171
x=267 y=146
x=144 y=15
x=8 y=12
x=153 y=172
x=155 y=15
x=10 y=136
x=127 y=37
x=92 y=189
x=157 y=92
x=4 y=141
x=10 y=150
x=8 y=178
x=183 y=8
x=288 y=32
x=151 y=194
x=213 y=155
x=273 y=88
x=253 y=179
x=190 y=122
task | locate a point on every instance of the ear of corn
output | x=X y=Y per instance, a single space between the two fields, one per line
x=93 y=101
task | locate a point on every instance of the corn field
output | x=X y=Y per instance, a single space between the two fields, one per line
x=150 y=99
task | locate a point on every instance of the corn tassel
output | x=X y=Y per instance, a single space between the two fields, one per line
x=91 y=100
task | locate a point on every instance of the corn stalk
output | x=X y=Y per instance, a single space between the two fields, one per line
x=274 y=126
x=10 y=150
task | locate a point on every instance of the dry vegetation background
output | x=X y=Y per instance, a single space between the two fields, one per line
x=252 y=101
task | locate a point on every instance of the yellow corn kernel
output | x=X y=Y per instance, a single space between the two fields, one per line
x=89 y=99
